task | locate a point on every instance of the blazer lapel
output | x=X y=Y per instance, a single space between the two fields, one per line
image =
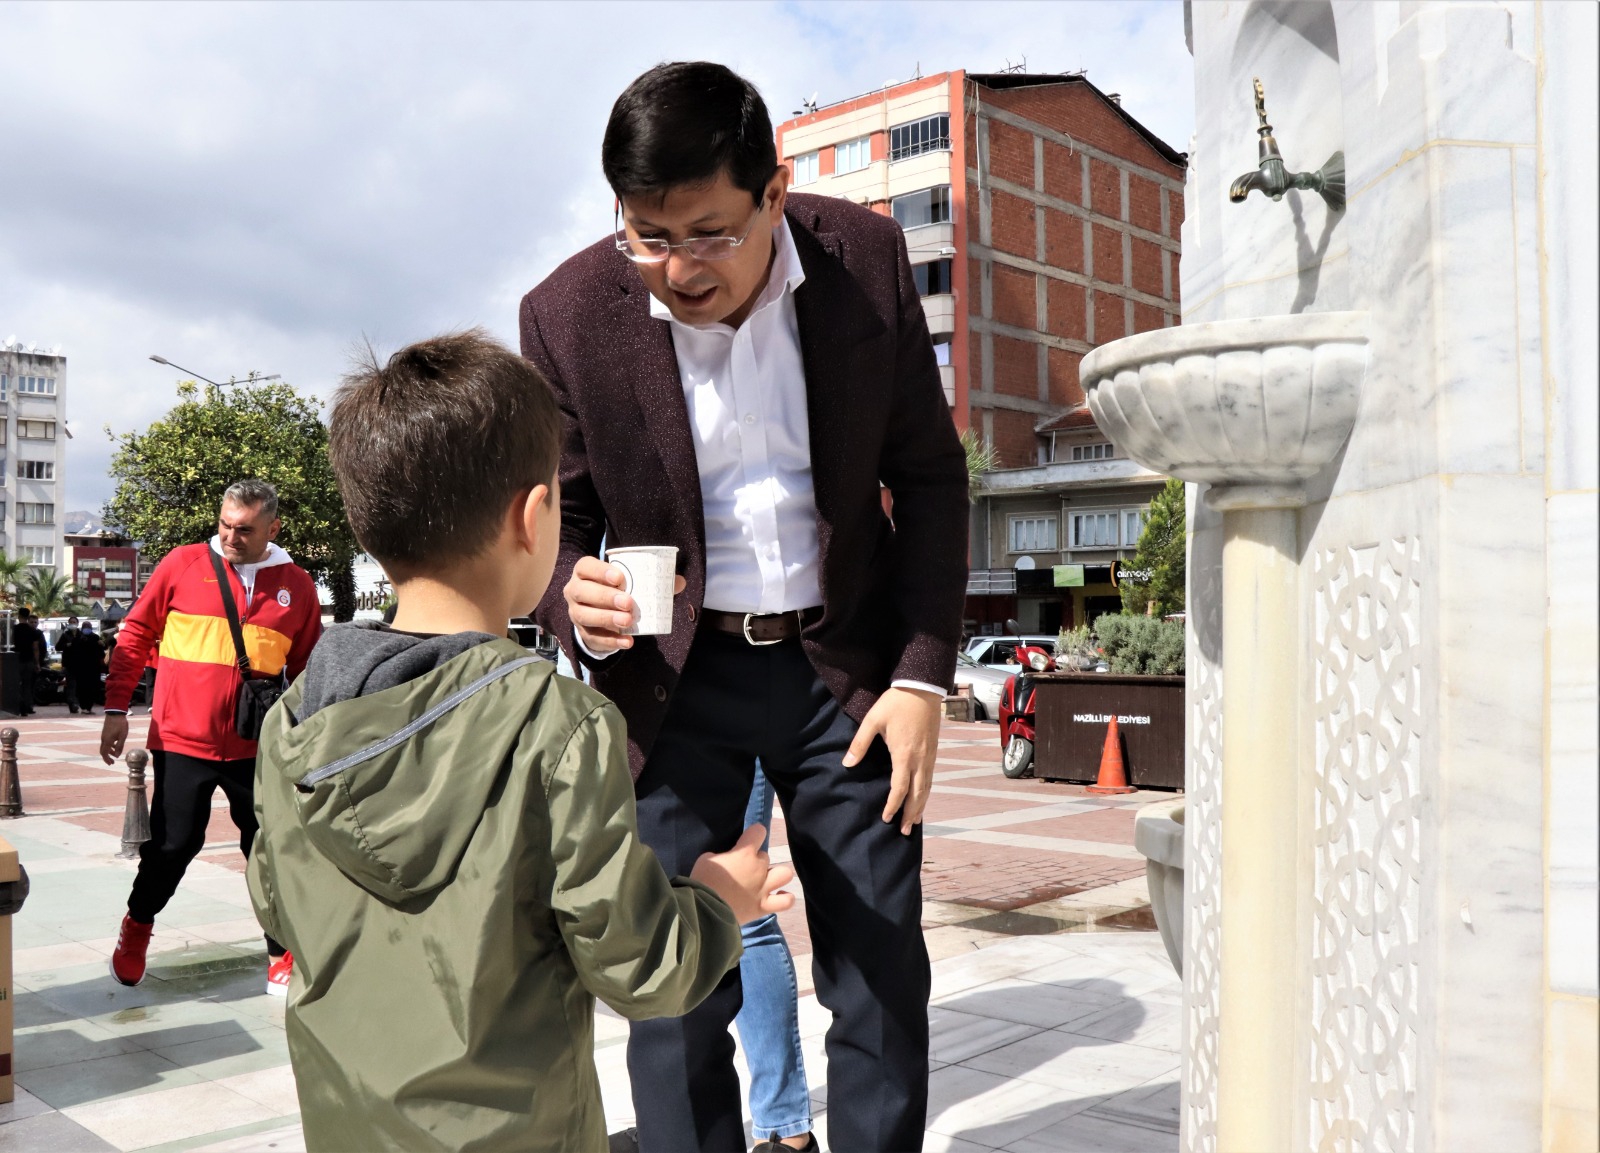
x=834 y=318
x=643 y=354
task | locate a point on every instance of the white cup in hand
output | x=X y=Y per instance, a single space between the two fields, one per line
x=647 y=573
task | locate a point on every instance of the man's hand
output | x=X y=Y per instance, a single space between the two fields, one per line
x=744 y=877
x=908 y=722
x=113 y=735
x=599 y=609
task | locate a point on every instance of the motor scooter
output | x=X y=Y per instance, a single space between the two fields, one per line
x=1017 y=707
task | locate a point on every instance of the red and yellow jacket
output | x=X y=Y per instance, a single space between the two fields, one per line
x=197 y=689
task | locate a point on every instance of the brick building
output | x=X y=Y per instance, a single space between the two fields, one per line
x=105 y=565
x=1042 y=220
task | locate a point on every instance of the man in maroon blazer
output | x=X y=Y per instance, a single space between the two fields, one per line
x=741 y=371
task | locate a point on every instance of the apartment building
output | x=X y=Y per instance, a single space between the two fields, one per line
x=1042 y=220
x=105 y=565
x=33 y=384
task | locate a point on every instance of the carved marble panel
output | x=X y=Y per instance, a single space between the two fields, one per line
x=1366 y=822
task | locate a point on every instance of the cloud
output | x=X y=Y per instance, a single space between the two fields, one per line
x=249 y=186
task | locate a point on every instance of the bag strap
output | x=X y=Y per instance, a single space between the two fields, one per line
x=232 y=610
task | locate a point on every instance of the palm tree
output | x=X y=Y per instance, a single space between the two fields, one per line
x=981 y=458
x=50 y=594
x=12 y=572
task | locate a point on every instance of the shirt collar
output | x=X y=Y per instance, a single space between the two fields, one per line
x=786 y=275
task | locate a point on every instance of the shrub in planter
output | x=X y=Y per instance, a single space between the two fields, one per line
x=1141 y=644
x=1076 y=650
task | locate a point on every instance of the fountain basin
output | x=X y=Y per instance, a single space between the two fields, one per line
x=1252 y=407
x=1158 y=834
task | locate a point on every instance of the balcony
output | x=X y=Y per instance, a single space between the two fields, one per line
x=940 y=311
x=947 y=377
x=929 y=241
x=1065 y=474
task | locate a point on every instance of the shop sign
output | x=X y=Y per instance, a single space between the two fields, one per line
x=1068 y=576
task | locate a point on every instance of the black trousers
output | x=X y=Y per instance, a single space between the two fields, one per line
x=863 y=888
x=180 y=809
x=27 y=673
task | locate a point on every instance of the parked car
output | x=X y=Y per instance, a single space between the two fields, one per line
x=1002 y=651
x=986 y=684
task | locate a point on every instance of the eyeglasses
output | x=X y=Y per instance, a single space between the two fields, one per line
x=655 y=250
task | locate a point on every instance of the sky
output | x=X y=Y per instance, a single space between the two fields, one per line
x=262 y=187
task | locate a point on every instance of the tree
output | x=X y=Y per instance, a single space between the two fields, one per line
x=49 y=594
x=1159 y=561
x=981 y=459
x=13 y=570
x=170 y=478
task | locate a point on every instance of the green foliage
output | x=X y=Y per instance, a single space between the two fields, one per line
x=50 y=594
x=170 y=478
x=1161 y=555
x=1076 y=649
x=1141 y=644
x=981 y=458
x=13 y=570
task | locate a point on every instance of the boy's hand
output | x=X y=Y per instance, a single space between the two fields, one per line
x=599 y=609
x=745 y=879
x=113 y=735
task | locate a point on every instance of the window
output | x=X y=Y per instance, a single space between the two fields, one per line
x=930 y=134
x=1033 y=534
x=941 y=350
x=1133 y=526
x=35 y=513
x=36 y=385
x=5 y=385
x=36 y=429
x=852 y=155
x=36 y=470
x=38 y=553
x=805 y=168
x=1094 y=530
x=1093 y=451
x=915 y=209
x=931 y=278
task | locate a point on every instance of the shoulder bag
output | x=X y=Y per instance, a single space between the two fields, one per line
x=256 y=694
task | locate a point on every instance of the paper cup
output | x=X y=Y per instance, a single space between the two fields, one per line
x=648 y=572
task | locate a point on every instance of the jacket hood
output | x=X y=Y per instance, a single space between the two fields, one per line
x=274 y=556
x=394 y=745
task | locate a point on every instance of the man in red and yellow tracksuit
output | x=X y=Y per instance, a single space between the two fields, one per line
x=194 y=744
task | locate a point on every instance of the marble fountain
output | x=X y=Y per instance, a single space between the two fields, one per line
x=1380 y=888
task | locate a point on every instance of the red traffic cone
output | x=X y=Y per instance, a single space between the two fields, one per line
x=1113 y=777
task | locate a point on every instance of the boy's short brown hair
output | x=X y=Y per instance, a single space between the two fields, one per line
x=429 y=449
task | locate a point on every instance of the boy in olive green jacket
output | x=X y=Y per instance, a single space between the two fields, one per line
x=448 y=843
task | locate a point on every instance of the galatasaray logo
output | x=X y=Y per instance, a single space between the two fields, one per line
x=284 y=598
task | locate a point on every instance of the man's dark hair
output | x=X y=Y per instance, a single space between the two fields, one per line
x=429 y=449
x=680 y=125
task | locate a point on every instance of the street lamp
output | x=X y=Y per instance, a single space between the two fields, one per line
x=252 y=377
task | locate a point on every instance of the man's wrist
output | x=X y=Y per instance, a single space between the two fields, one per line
x=115 y=712
x=590 y=653
x=920 y=687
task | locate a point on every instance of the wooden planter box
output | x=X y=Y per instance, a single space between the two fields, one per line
x=1074 y=711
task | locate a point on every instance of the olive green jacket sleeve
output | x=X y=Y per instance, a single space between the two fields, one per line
x=646 y=946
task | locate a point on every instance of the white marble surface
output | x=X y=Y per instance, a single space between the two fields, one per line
x=1470 y=238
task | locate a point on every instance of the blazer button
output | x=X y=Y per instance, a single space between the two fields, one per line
x=661 y=693
x=691 y=612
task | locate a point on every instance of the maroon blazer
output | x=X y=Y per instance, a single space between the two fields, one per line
x=891 y=591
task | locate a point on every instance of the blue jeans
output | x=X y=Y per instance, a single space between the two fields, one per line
x=769 y=1021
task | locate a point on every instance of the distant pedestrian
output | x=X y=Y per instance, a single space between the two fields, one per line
x=83 y=662
x=28 y=643
x=195 y=720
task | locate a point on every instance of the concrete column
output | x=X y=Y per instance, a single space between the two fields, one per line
x=1260 y=969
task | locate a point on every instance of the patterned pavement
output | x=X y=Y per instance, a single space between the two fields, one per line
x=1055 y=1013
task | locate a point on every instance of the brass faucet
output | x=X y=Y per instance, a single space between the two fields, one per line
x=1272 y=177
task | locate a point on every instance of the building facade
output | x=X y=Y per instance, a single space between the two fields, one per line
x=33 y=385
x=1042 y=220
x=104 y=565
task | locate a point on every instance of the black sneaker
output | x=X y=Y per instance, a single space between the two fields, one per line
x=773 y=1145
x=626 y=1141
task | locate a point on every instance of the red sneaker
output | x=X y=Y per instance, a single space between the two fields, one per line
x=278 y=974
x=127 y=960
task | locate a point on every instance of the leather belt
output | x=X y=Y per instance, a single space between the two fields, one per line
x=763 y=628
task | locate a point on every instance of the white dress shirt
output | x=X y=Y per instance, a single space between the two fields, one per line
x=746 y=392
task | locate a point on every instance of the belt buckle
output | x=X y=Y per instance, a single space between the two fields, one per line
x=752 y=640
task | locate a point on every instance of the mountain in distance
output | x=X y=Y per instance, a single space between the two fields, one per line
x=76 y=522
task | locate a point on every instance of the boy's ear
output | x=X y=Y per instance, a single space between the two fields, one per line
x=529 y=514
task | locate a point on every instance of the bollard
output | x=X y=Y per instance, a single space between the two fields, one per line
x=10 y=785
x=136 y=818
x=13 y=889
